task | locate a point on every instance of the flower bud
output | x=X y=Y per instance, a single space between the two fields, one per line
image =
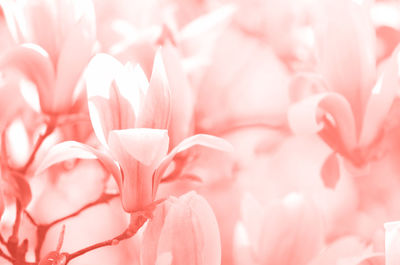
x=185 y=229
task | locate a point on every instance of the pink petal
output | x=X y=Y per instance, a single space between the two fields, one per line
x=148 y=253
x=304 y=84
x=392 y=242
x=138 y=151
x=199 y=139
x=101 y=71
x=74 y=57
x=347 y=52
x=10 y=8
x=189 y=232
x=199 y=35
x=156 y=109
x=164 y=259
x=74 y=150
x=299 y=222
x=252 y=215
x=2 y=205
x=330 y=171
x=33 y=62
x=304 y=117
x=36 y=14
x=380 y=100
x=182 y=98
x=127 y=95
x=101 y=116
x=148 y=146
x=346 y=246
x=99 y=76
x=123 y=115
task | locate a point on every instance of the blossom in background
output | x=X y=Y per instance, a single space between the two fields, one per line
x=306 y=91
x=55 y=57
x=350 y=101
x=285 y=232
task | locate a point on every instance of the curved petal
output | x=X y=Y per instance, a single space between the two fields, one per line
x=73 y=150
x=201 y=33
x=10 y=8
x=34 y=63
x=2 y=204
x=164 y=258
x=347 y=52
x=156 y=109
x=101 y=117
x=305 y=117
x=252 y=215
x=305 y=84
x=74 y=57
x=381 y=99
x=392 y=242
x=187 y=228
x=138 y=151
x=99 y=75
x=182 y=98
x=199 y=139
x=148 y=146
x=330 y=171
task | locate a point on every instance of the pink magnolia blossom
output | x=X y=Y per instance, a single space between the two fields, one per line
x=53 y=59
x=130 y=116
x=349 y=104
x=182 y=231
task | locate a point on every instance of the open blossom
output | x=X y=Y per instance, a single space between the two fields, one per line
x=182 y=231
x=130 y=117
x=351 y=100
x=55 y=57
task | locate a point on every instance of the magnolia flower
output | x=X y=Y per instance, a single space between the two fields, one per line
x=55 y=57
x=285 y=232
x=130 y=117
x=182 y=231
x=350 y=100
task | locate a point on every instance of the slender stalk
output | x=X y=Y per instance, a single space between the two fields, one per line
x=5 y=256
x=49 y=130
x=136 y=223
x=42 y=229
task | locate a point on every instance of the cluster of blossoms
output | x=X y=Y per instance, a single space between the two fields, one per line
x=204 y=132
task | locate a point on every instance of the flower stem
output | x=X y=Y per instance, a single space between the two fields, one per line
x=42 y=229
x=135 y=225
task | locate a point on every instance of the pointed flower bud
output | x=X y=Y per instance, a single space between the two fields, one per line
x=183 y=231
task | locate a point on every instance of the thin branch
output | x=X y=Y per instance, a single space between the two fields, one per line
x=5 y=256
x=104 y=198
x=17 y=223
x=42 y=229
x=30 y=218
x=135 y=225
x=2 y=240
x=49 y=130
